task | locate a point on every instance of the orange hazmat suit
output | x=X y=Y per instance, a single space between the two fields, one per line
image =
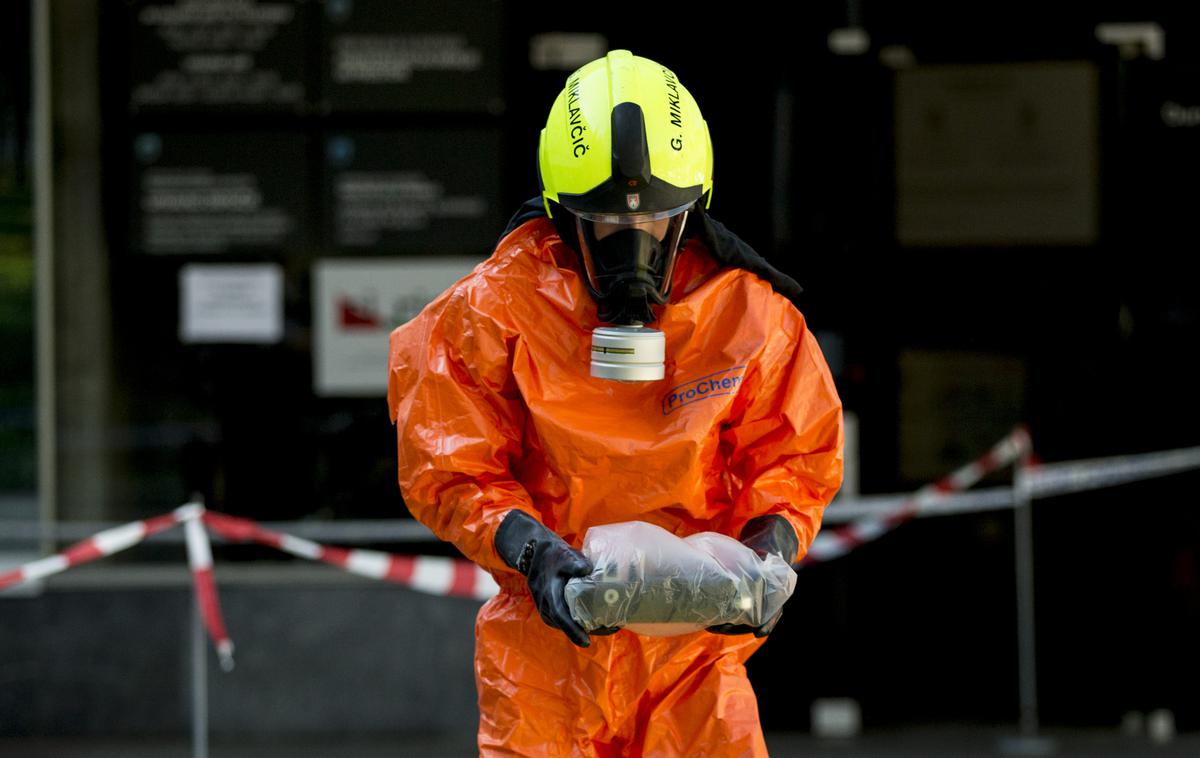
x=495 y=409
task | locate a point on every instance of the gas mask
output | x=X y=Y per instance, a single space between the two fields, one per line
x=628 y=263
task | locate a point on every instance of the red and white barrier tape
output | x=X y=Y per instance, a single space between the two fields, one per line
x=835 y=543
x=1045 y=480
x=1050 y=479
x=949 y=504
x=457 y=577
x=435 y=575
x=438 y=576
x=201 y=564
x=97 y=546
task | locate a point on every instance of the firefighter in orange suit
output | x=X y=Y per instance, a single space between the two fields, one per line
x=621 y=356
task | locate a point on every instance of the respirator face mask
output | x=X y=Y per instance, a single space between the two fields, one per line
x=628 y=262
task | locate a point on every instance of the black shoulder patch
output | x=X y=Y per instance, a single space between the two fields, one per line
x=532 y=208
x=731 y=250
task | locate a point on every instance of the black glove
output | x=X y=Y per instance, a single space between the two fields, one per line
x=547 y=563
x=763 y=535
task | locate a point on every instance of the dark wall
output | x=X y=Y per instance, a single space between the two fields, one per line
x=920 y=625
x=75 y=664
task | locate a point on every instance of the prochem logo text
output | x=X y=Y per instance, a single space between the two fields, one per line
x=724 y=382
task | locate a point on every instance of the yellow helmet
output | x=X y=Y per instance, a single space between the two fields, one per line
x=627 y=153
x=623 y=137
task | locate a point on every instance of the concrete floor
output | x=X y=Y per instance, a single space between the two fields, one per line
x=924 y=742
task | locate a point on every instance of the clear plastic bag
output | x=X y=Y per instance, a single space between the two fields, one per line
x=651 y=582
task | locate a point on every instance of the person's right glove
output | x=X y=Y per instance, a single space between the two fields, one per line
x=547 y=562
x=763 y=535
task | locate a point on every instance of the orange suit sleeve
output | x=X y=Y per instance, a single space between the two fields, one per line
x=459 y=419
x=785 y=446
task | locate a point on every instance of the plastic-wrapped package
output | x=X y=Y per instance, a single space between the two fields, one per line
x=651 y=582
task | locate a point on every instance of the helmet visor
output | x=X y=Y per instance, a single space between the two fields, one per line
x=631 y=219
x=638 y=250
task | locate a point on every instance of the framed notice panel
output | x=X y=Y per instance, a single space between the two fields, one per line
x=191 y=55
x=413 y=191
x=419 y=55
x=997 y=154
x=231 y=303
x=1162 y=145
x=357 y=303
x=212 y=194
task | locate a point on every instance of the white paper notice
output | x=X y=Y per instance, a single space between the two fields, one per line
x=358 y=303
x=231 y=302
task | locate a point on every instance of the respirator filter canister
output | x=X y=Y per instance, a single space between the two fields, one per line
x=628 y=353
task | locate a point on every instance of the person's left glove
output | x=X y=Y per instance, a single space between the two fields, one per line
x=763 y=535
x=547 y=562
